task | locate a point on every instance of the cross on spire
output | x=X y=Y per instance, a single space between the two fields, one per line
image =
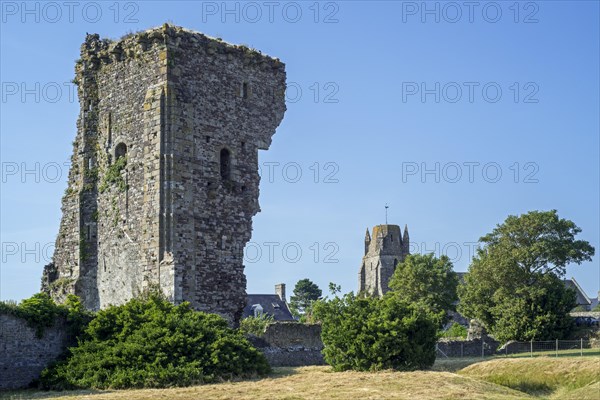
x=386 y=209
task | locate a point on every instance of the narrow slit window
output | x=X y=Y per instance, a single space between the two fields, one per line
x=245 y=90
x=225 y=161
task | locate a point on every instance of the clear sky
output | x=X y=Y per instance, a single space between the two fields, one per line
x=454 y=114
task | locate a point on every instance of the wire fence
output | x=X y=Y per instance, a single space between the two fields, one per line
x=488 y=348
x=555 y=348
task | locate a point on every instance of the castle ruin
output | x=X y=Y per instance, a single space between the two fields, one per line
x=164 y=176
x=383 y=251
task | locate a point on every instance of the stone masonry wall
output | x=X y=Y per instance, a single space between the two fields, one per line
x=107 y=246
x=23 y=355
x=188 y=113
x=291 y=344
x=234 y=105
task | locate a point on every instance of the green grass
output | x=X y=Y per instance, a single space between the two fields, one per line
x=560 y=353
x=539 y=376
x=454 y=364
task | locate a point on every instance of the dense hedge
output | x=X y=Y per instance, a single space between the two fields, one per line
x=152 y=343
x=363 y=333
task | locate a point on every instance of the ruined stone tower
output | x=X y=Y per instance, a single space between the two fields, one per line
x=164 y=177
x=383 y=251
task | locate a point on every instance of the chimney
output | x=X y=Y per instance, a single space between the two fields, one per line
x=280 y=291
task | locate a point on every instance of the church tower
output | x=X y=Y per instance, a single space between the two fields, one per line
x=384 y=249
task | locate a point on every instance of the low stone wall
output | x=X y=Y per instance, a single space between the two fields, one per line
x=23 y=355
x=466 y=348
x=291 y=344
x=591 y=314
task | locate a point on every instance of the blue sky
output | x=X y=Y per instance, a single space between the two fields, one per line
x=454 y=117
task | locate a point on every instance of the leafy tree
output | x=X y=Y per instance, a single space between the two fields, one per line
x=534 y=312
x=334 y=289
x=365 y=333
x=305 y=293
x=153 y=343
x=427 y=280
x=539 y=241
x=514 y=284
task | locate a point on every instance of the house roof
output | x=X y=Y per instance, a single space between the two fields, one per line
x=582 y=298
x=271 y=304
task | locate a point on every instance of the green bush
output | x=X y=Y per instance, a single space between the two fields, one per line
x=255 y=325
x=456 y=330
x=362 y=333
x=41 y=312
x=113 y=176
x=152 y=343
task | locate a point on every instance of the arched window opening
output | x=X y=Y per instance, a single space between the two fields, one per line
x=120 y=151
x=225 y=161
x=395 y=264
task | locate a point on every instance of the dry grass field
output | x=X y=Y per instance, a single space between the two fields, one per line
x=538 y=378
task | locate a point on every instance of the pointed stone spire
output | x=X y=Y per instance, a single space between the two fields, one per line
x=367 y=241
x=405 y=242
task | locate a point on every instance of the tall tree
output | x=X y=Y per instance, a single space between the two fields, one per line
x=514 y=282
x=305 y=293
x=429 y=281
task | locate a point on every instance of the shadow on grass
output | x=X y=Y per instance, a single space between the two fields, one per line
x=36 y=394
x=281 y=372
x=532 y=388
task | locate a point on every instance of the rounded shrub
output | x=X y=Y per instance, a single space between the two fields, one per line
x=151 y=343
x=363 y=333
